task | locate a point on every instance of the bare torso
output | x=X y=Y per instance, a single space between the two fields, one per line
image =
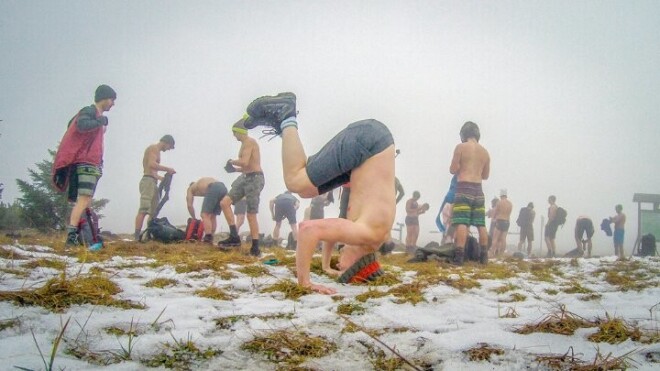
x=619 y=221
x=552 y=211
x=372 y=201
x=199 y=188
x=250 y=150
x=151 y=151
x=471 y=162
x=503 y=209
x=412 y=207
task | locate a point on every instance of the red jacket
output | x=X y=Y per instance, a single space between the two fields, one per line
x=82 y=144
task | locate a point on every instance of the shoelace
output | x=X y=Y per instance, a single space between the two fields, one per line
x=272 y=132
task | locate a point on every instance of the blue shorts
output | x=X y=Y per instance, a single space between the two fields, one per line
x=618 y=236
x=350 y=148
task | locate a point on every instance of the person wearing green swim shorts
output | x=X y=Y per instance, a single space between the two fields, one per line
x=471 y=164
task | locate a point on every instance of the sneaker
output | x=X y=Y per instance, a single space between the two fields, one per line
x=232 y=241
x=271 y=111
x=72 y=239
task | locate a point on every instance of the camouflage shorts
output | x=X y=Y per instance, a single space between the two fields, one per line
x=248 y=187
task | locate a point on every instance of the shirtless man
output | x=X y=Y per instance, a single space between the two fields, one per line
x=502 y=217
x=215 y=201
x=471 y=163
x=281 y=207
x=149 y=182
x=619 y=221
x=551 y=227
x=250 y=185
x=362 y=153
x=413 y=211
x=584 y=225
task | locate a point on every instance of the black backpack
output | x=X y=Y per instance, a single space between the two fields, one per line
x=161 y=230
x=89 y=231
x=523 y=217
x=648 y=246
x=560 y=216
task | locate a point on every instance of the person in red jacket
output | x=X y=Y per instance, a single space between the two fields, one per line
x=79 y=157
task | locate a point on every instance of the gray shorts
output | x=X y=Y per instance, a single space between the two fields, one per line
x=248 y=187
x=240 y=207
x=285 y=210
x=214 y=194
x=350 y=148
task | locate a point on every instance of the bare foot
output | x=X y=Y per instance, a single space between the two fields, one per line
x=332 y=272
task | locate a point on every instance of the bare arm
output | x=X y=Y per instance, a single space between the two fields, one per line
x=455 y=166
x=327 y=257
x=485 y=173
x=189 y=203
x=271 y=205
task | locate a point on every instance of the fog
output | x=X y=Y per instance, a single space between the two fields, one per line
x=566 y=93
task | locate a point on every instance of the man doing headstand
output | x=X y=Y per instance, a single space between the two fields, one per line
x=362 y=153
x=471 y=162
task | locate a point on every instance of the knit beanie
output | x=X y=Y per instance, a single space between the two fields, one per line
x=104 y=92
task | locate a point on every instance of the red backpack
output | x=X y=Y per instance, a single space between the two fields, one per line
x=194 y=230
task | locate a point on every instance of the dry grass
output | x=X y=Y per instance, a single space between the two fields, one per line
x=409 y=293
x=60 y=293
x=45 y=263
x=515 y=297
x=254 y=270
x=505 y=288
x=616 y=330
x=9 y=323
x=350 y=308
x=370 y=294
x=562 y=322
x=482 y=352
x=290 y=289
x=569 y=361
x=574 y=287
x=161 y=283
x=290 y=347
x=10 y=254
x=214 y=292
x=181 y=355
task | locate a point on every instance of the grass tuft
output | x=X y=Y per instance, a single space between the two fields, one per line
x=214 y=292
x=562 y=322
x=290 y=347
x=161 y=283
x=290 y=289
x=482 y=352
x=350 y=308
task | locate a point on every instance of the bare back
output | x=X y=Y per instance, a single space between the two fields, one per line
x=503 y=209
x=372 y=202
x=199 y=188
x=152 y=152
x=471 y=162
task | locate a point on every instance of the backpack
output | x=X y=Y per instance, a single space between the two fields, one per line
x=472 y=249
x=523 y=217
x=648 y=246
x=161 y=230
x=89 y=231
x=560 y=216
x=194 y=230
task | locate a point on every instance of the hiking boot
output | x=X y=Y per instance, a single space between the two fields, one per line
x=386 y=248
x=483 y=255
x=419 y=257
x=208 y=238
x=73 y=239
x=232 y=241
x=271 y=111
x=459 y=256
x=254 y=251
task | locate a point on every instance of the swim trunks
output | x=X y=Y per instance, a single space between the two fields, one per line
x=584 y=225
x=248 y=187
x=551 y=230
x=618 y=236
x=412 y=220
x=214 y=194
x=502 y=225
x=82 y=181
x=469 y=205
x=350 y=148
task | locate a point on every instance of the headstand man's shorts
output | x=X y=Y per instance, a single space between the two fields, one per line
x=584 y=225
x=350 y=148
x=248 y=187
x=148 y=195
x=214 y=194
x=469 y=205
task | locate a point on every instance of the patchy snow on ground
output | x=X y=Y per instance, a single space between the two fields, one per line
x=434 y=333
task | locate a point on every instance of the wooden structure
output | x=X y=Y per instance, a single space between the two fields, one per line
x=648 y=219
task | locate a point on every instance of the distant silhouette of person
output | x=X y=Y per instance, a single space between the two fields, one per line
x=502 y=223
x=551 y=227
x=584 y=226
x=413 y=210
x=281 y=207
x=619 y=221
x=317 y=206
x=526 y=223
x=490 y=214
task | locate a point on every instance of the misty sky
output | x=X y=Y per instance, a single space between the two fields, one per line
x=567 y=93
